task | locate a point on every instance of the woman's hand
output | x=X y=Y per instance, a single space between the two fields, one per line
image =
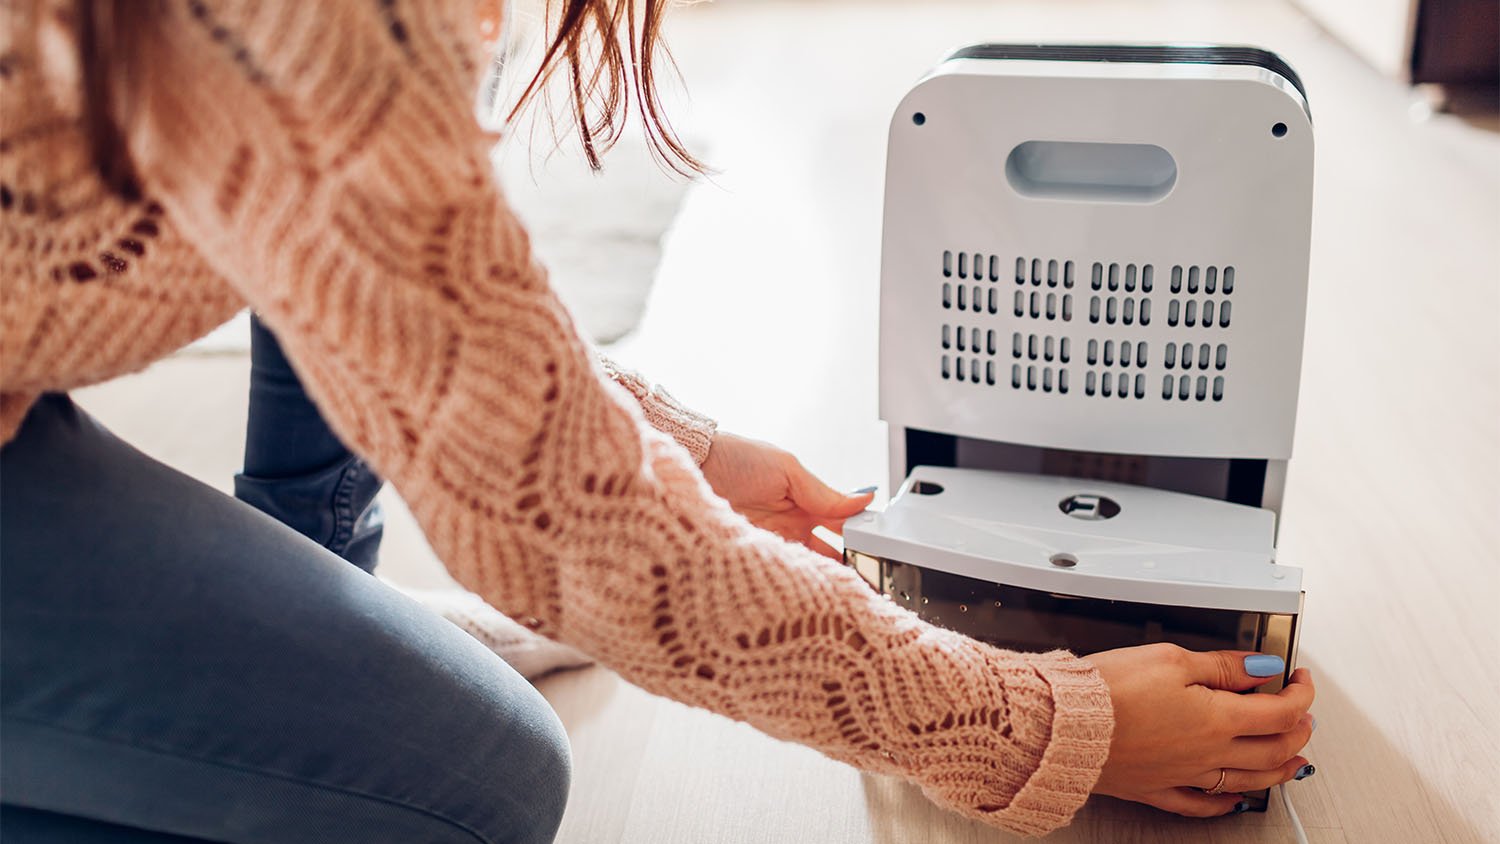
x=1179 y=721
x=770 y=488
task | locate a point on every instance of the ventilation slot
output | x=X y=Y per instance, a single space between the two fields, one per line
x=1042 y=355
x=974 y=266
x=1131 y=356
x=1191 y=281
x=1039 y=305
x=1115 y=385
x=971 y=267
x=1049 y=273
x=968 y=353
x=1202 y=356
x=970 y=370
x=1119 y=310
x=1122 y=277
x=1044 y=347
x=1034 y=378
x=972 y=298
x=1192 y=388
x=1042 y=290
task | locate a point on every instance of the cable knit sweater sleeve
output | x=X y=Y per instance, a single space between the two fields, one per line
x=692 y=430
x=325 y=159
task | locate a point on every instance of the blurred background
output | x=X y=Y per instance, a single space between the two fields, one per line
x=752 y=295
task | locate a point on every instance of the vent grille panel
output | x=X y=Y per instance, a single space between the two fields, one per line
x=1043 y=339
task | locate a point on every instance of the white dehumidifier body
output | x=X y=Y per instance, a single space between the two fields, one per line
x=1093 y=287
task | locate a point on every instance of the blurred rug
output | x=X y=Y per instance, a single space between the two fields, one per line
x=599 y=234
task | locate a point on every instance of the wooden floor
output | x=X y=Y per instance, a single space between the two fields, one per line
x=764 y=315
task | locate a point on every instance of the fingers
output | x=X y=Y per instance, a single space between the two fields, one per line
x=821 y=501
x=810 y=494
x=848 y=505
x=837 y=525
x=1262 y=753
x=1193 y=803
x=1233 y=671
x=1237 y=780
x=1261 y=715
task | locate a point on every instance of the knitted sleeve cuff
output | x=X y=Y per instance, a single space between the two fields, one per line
x=1082 y=726
x=692 y=430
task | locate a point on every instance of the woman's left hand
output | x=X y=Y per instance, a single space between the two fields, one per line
x=770 y=488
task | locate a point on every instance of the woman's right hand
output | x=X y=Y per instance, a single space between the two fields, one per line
x=1179 y=721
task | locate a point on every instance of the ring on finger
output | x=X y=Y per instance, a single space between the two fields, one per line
x=1218 y=786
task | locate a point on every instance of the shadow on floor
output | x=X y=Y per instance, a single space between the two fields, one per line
x=1476 y=105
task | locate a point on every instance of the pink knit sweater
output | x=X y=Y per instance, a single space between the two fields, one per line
x=321 y=163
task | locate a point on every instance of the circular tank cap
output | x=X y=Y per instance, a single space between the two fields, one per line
x=1088 y=507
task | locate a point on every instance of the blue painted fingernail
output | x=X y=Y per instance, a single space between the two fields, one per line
x=1314 y=726
x=1241 y=807
x=1304 y=772
x=1264 y=665
x=867 y=489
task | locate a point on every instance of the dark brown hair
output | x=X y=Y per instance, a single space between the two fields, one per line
x=106 y=34
x=606 y=48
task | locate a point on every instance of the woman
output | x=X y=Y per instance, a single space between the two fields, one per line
x=177 y=664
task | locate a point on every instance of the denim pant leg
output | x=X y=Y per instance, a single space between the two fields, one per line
x=19 y=825
x=172 y=660
x=297 y=470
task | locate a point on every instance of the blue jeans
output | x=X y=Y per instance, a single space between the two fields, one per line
x=297 y=470
x=177 y=666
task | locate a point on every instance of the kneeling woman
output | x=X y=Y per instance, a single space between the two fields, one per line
x=176 y=663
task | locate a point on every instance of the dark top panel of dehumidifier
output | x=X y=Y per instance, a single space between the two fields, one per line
x=1162 y=54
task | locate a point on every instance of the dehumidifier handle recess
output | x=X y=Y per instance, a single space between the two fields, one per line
x=1091 y=172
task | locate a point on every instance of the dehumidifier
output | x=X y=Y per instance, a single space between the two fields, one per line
x=1092 y=294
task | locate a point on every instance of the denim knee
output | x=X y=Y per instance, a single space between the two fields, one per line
x=537 y=775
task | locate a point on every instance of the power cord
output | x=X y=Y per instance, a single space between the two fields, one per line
x=1291 y=813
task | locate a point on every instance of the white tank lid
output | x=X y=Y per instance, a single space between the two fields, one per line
x=1080 y=537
